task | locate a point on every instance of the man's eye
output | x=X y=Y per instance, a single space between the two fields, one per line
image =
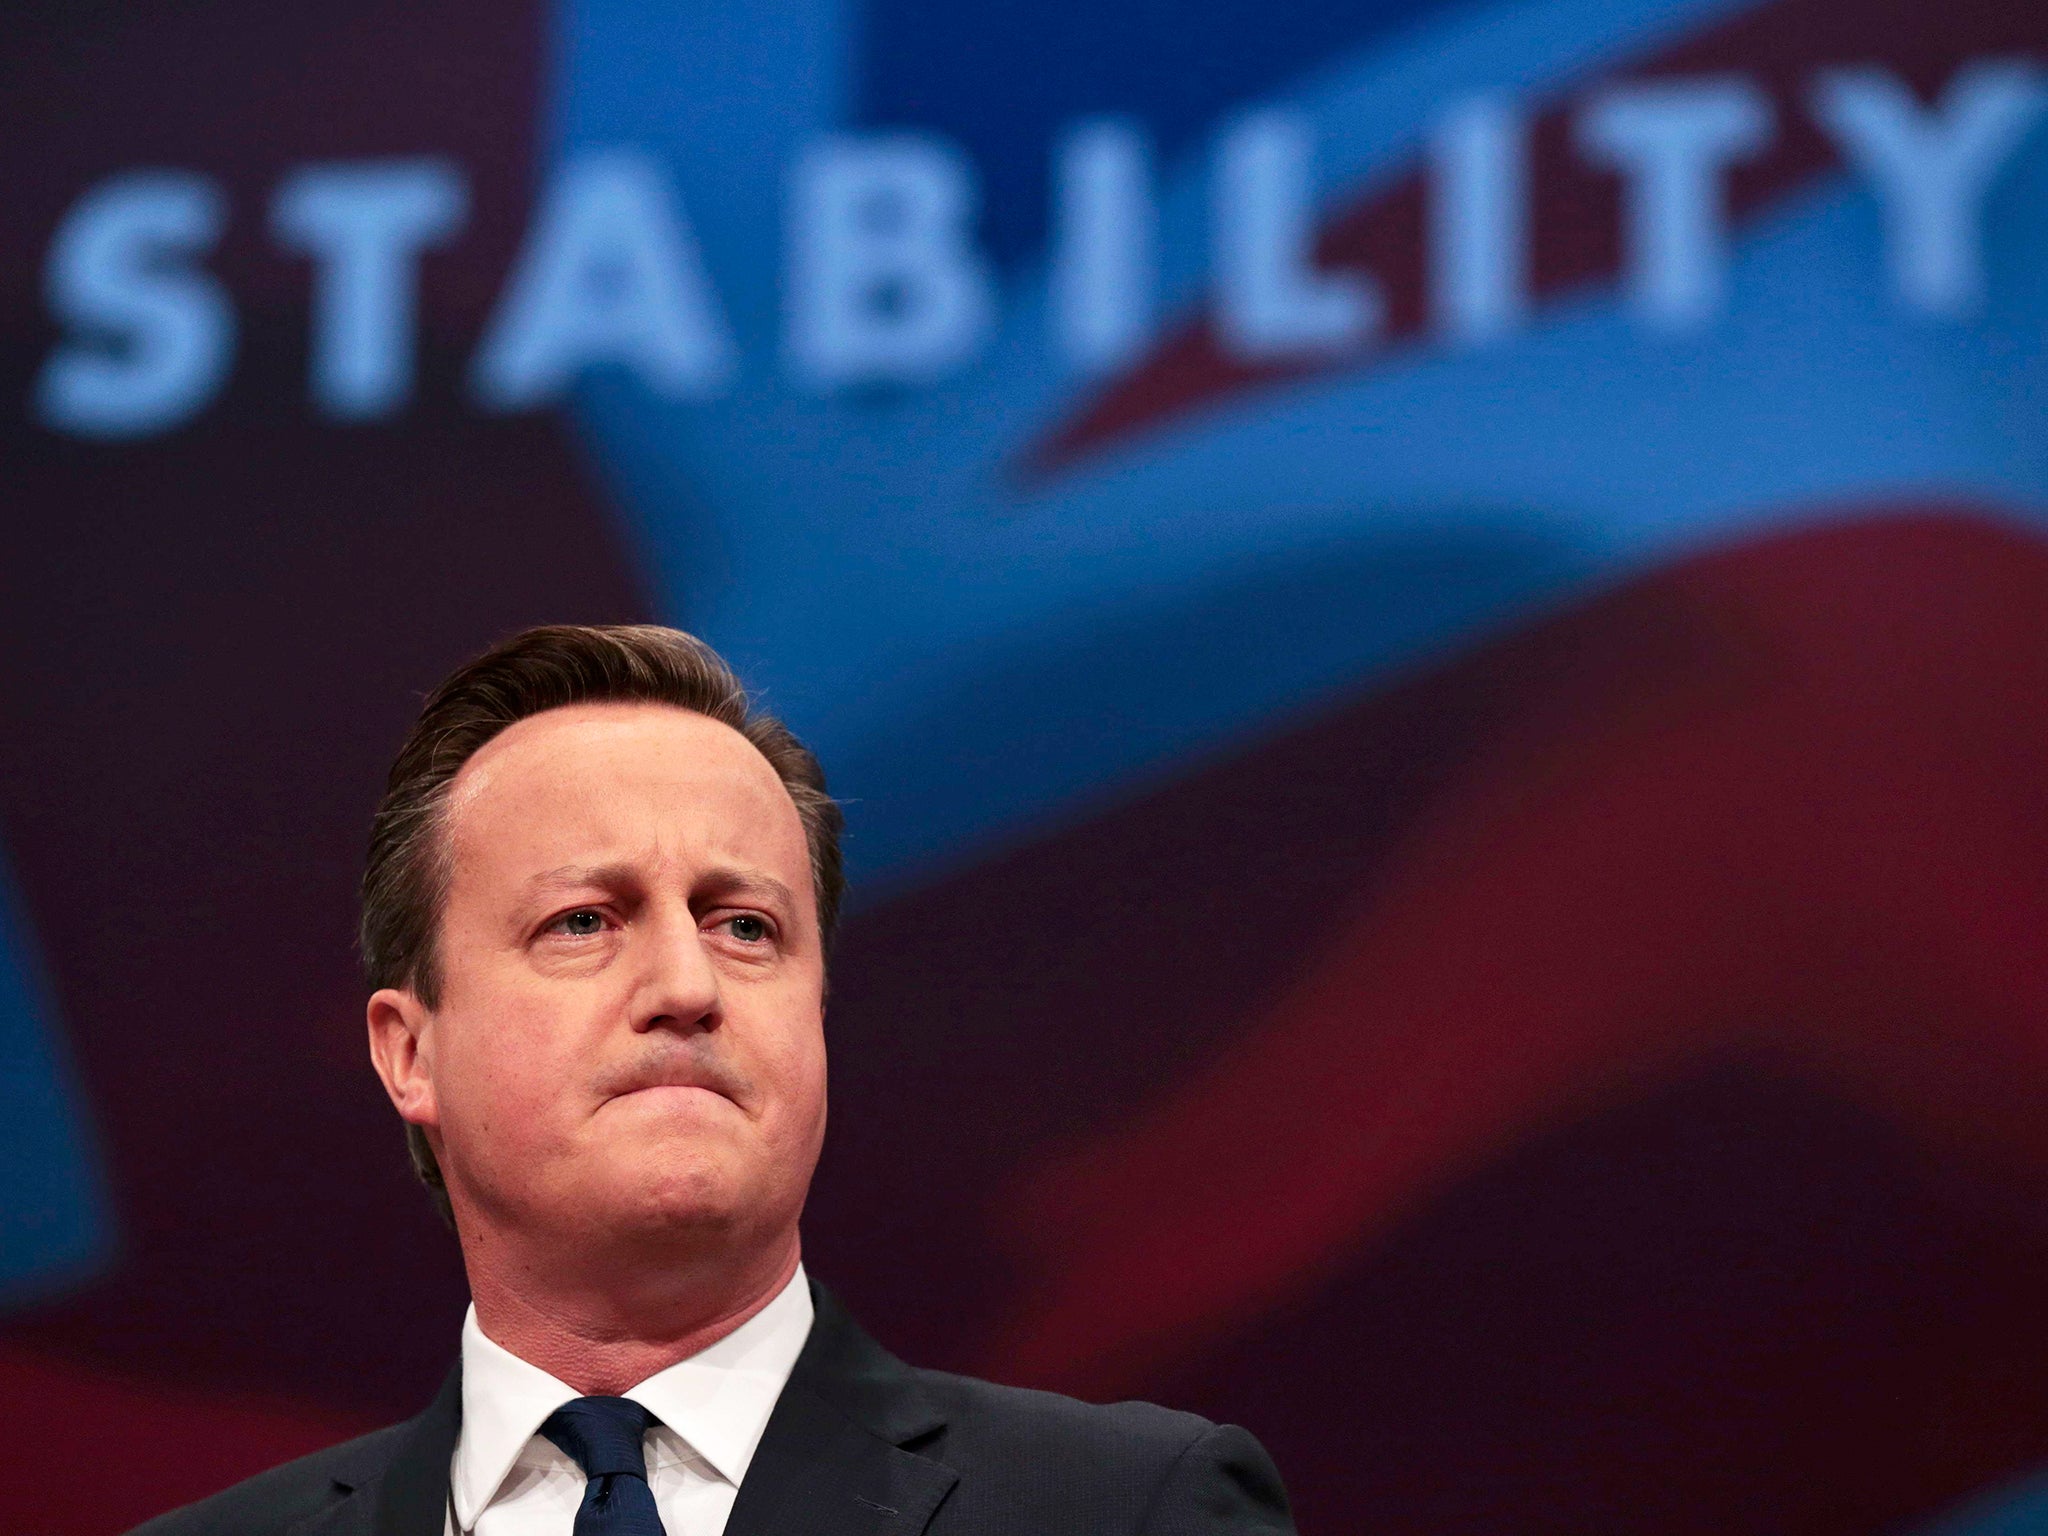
x=751 y=930
x=581 y=924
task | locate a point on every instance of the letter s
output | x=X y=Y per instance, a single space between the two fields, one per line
x=153 y=335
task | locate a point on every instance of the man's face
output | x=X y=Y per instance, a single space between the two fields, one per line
x=629 y=1037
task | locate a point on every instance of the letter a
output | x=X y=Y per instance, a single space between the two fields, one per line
x=610 y=274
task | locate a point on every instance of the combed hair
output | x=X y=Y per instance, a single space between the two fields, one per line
x=405 y=882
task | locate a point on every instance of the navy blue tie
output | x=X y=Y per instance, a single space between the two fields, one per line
x=602 y=1436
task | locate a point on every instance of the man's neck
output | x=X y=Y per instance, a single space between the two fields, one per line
x=602 y=1343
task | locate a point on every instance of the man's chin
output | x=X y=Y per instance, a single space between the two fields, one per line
x=675 y=1190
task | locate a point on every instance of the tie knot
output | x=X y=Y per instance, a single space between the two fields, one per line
x=601 y=1435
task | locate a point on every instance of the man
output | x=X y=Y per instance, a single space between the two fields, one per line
x=599 y=899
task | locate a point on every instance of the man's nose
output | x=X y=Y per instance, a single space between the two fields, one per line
x=678 y=984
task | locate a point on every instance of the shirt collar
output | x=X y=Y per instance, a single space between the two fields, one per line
x=717 y=1401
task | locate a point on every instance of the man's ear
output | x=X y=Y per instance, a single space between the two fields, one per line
x=401 y=1049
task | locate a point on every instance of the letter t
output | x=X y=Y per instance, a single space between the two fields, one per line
x=364 y=225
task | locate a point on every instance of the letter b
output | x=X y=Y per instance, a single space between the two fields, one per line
x=884 y=282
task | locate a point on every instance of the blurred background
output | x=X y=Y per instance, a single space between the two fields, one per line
x=1433 y=618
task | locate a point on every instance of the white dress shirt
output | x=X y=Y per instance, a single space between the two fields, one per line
x=508 y=1480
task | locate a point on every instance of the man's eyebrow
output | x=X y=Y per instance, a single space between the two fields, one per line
x=745 y=882
x=563 y=875
x=723 y=881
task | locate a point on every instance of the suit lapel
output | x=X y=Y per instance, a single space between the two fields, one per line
x=824 y=1475
x=403 y=1492
x=832 y=1460
x=412 y=1497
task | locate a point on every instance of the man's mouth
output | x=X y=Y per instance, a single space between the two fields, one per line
x=679 y=1079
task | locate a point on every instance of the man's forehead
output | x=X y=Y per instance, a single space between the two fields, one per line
x=627 y=736
x=556 y=780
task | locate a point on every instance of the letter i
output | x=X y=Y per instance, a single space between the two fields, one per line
x=1479 y=219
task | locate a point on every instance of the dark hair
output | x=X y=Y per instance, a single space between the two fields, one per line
x=405 y=882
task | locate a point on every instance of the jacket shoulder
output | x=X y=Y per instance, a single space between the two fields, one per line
x=272 y=1502
x=1028 y=1462
x=1036 y=1461
x=1020 y=1416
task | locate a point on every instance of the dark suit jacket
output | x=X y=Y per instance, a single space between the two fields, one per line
x=860 y=1444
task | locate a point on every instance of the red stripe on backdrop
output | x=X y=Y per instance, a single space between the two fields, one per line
x=93 y=1451
x=1575 y=215
x=1783 y=803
